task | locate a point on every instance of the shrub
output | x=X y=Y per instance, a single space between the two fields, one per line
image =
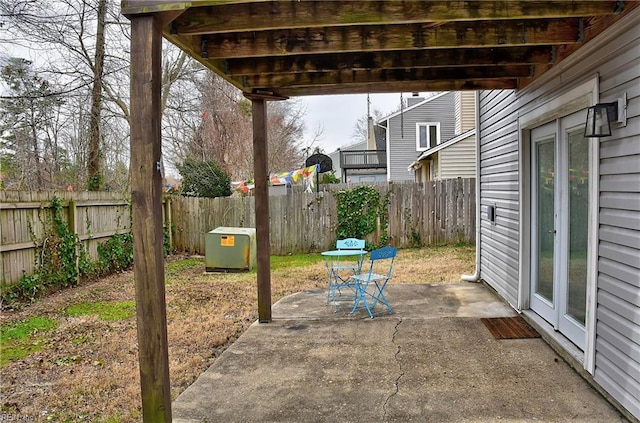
x=203 y=179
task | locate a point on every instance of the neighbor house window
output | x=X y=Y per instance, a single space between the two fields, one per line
x=428 y=135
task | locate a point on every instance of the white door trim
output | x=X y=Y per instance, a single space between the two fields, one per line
x=577 y=98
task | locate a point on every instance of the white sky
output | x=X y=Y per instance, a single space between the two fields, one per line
x=335 y=114
x=338 y=114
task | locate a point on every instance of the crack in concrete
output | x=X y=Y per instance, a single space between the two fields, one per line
x=401 y=373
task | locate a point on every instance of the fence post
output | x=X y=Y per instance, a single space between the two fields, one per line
x=73 y=226
x=168 y=221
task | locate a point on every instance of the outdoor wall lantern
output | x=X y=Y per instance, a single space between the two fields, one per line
x=602 y=115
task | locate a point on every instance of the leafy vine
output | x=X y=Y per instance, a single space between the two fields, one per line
x=361 y=210
x=62 y=261
x=57 y=252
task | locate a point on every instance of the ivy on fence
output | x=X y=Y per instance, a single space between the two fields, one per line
x=360 y=211
x=62 y=261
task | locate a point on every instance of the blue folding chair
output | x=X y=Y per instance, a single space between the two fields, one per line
x=341 y=268
x=370 y=285
x=350 y=244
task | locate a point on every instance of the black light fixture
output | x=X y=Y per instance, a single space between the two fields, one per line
x=602 y=115
x=599 y=118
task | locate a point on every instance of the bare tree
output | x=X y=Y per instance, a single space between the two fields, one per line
x=93 y=167
x=82 y=47
x=224 y=133
x=181 y=102
x=285 y=127
x=361 y=127
x=68 y=36
x=27 y=124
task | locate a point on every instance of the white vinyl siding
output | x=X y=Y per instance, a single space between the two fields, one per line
x=617 y=358
x=459 y=159
x=435 y=167
x=465 y=111
x=613 y=59
x=499 y=188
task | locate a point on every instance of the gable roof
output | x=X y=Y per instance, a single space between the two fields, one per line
x=415 y=106
x=446 y=144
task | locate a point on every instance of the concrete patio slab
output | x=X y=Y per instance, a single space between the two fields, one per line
x=431 y=361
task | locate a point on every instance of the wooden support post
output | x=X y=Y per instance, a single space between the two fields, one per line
x=260 y=170
x=146 y=197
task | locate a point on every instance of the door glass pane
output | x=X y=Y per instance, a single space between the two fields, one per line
x=578 y=224
x=545 y=171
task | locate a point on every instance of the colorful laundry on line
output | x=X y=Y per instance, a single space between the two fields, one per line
x=306 y=174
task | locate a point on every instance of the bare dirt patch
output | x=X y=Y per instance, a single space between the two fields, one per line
x=87 y=368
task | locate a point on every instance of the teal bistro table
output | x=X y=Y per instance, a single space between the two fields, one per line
x=340 y=267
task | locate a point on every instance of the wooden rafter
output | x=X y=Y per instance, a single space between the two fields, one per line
x=402 y=86
x=393 y=75
x=400 y=59
x=261 y=16
x=392 y=37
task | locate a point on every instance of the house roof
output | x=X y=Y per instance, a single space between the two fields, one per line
x=426 y=154
x=414 y=106
x=360 y=145
x=295 y=48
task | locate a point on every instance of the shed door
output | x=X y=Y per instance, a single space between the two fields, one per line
x=560 y=224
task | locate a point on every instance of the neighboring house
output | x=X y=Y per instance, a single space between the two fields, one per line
x=432 y=138
x=559 y=229
x=423 y=142
x=455 y=157
x=365 y=161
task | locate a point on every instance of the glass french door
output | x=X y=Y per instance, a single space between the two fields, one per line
x=560 y=224
x=543 y=221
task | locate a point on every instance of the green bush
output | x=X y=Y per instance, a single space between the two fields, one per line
x=203 y=179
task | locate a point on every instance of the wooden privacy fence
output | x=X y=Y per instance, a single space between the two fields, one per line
x=429 y=213
x=25 y=216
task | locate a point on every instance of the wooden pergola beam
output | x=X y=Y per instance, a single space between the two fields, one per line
x=393 y=75
x=402 y=59
x=402 y=86
x=393 y=37
x=260 y=16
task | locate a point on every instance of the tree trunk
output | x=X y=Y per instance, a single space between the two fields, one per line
x=94 y=168
x=36 y=149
